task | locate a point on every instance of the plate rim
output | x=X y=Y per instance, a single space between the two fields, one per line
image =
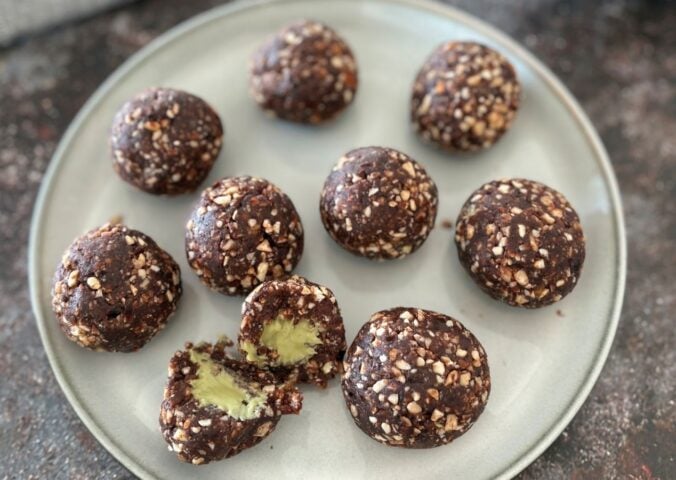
x=176 y=32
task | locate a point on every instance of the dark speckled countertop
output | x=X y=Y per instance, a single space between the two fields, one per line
x=619 y=60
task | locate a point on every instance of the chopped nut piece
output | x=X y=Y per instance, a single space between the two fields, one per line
x=451 y=422
x=379 y=385
x=521 y=277
x=402 y=365
x=438 y=368
x=436 y=415
x=73 y=278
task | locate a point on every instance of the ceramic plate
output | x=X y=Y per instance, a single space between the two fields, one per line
x=543 y=362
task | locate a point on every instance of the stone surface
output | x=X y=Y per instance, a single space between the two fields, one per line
x=617 y=57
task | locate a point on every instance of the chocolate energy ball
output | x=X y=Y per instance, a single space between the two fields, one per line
x=306 y=73
x=521 y=242
x=165 y=141
x=293 y=326
x=464 y=97
x=415 y=378
x=214 y=406
x=243 y=231
x=378 y=203
x=115 y=289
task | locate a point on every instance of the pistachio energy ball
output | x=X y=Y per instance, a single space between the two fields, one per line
x=214 y=406
x=165 y=141
x=114 y=289
x=465 y=97
x=378 y=203
x=293 y=326
x=243 y=231
x=521 y=242
x=306 y=73
x=415 y=378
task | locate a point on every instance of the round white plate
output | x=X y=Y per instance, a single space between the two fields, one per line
x=543 y=362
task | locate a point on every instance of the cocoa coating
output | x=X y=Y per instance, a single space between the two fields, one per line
x=305 y=73
x=165 y=141
x=200 y=434
x=243 y=231
x=114 y=289
x=378 y=203
x=415 y=378
x=296 y=299
x=521 y=242
x=465 y=97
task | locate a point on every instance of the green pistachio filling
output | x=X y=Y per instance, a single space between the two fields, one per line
x=214 y=385
x=293 y=342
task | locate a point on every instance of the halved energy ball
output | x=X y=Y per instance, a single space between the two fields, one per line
x=415 y=378
x=294 y=327
x=465 y=97
x=521 y=242
x=243 y=231
x=165 y=141
x=305 y=73
x=214 y=406
x=114 y=289
x=378 y=203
